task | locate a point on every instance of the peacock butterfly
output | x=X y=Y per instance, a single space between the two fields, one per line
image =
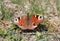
x=28 y=21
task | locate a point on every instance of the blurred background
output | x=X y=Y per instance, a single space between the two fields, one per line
x=10 y=9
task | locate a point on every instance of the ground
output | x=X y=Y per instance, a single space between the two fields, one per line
x=11 y=9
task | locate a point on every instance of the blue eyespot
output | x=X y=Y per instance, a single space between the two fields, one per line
x=19 y=18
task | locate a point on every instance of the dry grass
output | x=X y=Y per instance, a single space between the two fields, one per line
x=10 y=9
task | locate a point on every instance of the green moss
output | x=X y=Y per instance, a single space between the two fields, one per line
x=1 y=32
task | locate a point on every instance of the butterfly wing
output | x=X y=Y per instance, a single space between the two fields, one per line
x=34 y=21
x=21 y=22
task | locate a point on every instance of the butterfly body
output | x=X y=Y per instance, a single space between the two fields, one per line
x=28 y=21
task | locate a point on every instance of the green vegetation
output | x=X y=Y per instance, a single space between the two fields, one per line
x=5 y=14
x=9 y=32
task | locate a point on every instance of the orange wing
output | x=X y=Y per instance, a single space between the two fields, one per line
x=33 y=22
x=34 y=19
x=21 y=21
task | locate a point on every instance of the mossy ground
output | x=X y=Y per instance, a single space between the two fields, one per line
x=47 y=30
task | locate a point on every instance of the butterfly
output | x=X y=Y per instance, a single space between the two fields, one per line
x=28 y=21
